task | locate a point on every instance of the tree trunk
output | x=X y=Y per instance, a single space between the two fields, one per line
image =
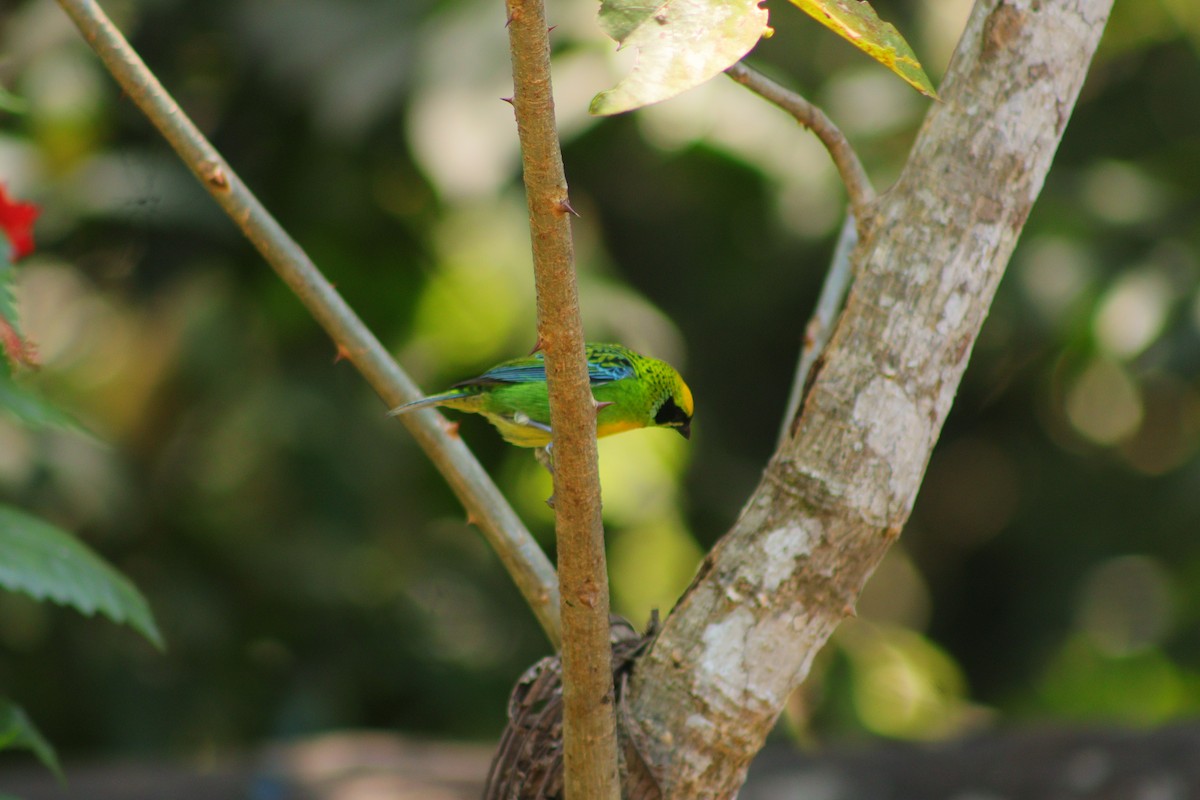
x=840 y=488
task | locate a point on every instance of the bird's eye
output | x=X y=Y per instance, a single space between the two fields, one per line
x=670 y=414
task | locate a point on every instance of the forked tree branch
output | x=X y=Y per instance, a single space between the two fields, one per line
x=861 y=198
x=589 y=722
x=858 y=185
x=839 y=490
x=485 y=506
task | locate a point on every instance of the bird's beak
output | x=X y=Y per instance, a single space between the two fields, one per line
x=685 y=430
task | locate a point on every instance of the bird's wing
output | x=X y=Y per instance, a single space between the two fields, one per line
x=533 y=370
x=608 y=367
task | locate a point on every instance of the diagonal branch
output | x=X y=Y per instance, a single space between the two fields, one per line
x=520 y=554
x=858 y=185
x=839 y=490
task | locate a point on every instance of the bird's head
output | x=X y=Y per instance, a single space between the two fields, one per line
x=674 y=406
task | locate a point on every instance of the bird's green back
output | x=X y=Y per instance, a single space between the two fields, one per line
x=630 y=388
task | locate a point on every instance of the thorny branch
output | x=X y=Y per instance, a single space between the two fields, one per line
x=522 y=557
x=589 y=724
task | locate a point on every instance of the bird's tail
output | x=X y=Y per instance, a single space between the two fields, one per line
x=426 y=402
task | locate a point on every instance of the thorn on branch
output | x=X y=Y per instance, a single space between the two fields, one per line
x=508 y=100
x=214 y=175
x=564 y=207
x=343 y=353
x=811 y=332
x=589 y=594
x=538 y=345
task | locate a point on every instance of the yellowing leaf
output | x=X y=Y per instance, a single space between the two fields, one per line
x=680 y=44
x=856 y=22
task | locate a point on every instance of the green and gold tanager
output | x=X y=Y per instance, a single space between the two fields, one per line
x=631 y=390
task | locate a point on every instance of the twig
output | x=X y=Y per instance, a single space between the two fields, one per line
x=589 y=722
x=858 y=222
x=522 y=557
x=858 y=185
x=820 y=326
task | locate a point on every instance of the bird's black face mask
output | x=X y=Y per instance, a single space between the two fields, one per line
x=672 y=416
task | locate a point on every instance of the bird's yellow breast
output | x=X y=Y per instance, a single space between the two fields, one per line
x=617 y=426
x=529 y=436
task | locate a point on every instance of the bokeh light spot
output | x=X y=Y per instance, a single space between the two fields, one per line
x=1170 y=432
x=865 y=102
x=1133 y=312
x=1085 y=683
x=1125 y=604
x=1103 y=403
x=651 y=564
x=903 y=684
x=896 y=593
x=1121 y=193
x=639 y=473
x=1054 y=272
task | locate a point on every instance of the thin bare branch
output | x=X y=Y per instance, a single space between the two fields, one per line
x=820 y=325
x=858 y=185
x=589 y=723
x=486 y=507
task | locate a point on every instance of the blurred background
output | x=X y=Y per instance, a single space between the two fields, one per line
x=311 y=572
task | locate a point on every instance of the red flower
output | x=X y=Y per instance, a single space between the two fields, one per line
x=16 y=219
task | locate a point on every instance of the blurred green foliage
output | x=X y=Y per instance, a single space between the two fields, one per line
x=308 y=569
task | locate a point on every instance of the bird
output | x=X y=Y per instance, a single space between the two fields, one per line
x=631 y=390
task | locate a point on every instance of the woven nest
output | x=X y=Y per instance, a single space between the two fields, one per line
x=529 y=761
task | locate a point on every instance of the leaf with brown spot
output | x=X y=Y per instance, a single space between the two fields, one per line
x=856 y=22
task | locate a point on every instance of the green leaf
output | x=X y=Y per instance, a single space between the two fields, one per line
x=856 y=22
x=17 y=730
x=680 y=44
x=29 y=409
x=47 y=563
x=12 y=103
x=8 y=303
